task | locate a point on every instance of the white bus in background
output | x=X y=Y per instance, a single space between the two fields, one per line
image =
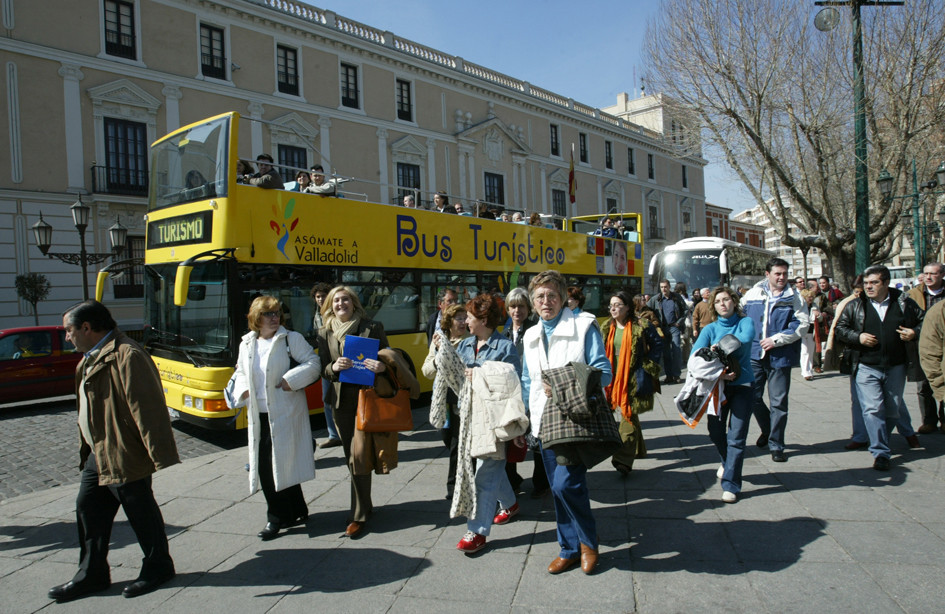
x=707 y=262
x=901 y=277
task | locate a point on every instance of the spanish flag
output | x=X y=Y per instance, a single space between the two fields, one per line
x=572 y=182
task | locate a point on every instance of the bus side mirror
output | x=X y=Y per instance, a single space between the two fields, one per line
x=652 y=270
x=100 y=285
x=181 y=284
x=723 y=262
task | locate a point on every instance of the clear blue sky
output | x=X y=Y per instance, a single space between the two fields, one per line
x=587 y=51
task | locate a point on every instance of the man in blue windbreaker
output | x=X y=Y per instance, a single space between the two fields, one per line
x=781 y=318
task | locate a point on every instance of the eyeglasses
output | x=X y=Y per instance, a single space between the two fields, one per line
x=547 y=297
x=271 y=314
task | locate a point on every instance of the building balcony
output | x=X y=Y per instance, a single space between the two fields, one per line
x=688 y=234
x=110 y=180
x=656 y=232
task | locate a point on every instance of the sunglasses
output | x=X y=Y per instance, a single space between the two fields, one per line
x=271 y=314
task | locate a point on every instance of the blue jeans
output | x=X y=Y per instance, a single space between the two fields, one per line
x=773 y=421
x=859 y=428
x=880 y=394
x=731 y=446
x=903 y=425
x=492 y=486
x=576 y=524
x=329 y=418
x=672 y=355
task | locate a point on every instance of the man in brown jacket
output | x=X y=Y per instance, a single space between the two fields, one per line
x=926 y=295
x=125 y=436
x=701 y=313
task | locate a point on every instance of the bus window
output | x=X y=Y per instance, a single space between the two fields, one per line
x=390 y=297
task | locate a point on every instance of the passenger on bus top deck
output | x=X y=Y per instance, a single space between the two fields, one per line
x=441 y=203
x=535 y=220
x=243 y=170
x=459 y=209
x=506 y=217
x=410 y=202
x=267 y=177
x=606 y=228
x=518 y=218
x=302 y=181
x=319 y=185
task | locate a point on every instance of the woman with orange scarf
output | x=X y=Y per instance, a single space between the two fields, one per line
x=633 y=347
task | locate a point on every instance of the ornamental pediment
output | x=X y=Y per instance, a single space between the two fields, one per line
x=123 y=93
x=295 y=124
x=495 y=139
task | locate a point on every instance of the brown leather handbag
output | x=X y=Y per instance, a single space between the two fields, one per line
x=377 y=414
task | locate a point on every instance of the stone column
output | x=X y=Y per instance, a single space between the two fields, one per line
x=256 y=111
x=172 y=95
x=382 y=165
x=325 y=141
x=72 y=114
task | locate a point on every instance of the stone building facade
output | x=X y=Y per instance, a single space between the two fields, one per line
x=87 y=92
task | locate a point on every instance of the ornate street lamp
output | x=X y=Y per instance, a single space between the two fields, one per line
x=42 y=234
x=920 y=230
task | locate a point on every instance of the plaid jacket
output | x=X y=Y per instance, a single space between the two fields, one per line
x=578 y=423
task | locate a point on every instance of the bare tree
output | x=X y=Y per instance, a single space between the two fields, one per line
x=774 y=98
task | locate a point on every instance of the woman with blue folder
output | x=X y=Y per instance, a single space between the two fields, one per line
x=345 y=317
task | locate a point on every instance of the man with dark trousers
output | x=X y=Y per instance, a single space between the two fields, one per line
x=125 y=436
x=781 y=319
x=671 y=310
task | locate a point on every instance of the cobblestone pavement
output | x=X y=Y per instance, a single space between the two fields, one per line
x=39 y=445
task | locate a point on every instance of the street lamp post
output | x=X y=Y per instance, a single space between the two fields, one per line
x=117 y=234
x=827 y=20
x=920 y=226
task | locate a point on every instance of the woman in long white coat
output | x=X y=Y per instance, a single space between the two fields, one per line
x=280 y=436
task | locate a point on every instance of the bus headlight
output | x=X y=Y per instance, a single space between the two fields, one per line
x=200 y=404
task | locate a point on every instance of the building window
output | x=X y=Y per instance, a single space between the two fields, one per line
x=404 y=102
x=650 y=169
x=609 y=155
x=349 y=87
x=631 y=164
x=130 y=284
x=120 y=29
x=685 y=176
x=582 y=142
x=495 y=189
x=408 y=181
x=291 y=156
x=611 y=205
x=287 y=66
x=126 y=157
x=212 y=55
x=559 y=203
x=555 y=142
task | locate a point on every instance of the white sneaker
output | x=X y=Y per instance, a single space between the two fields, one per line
x=729 y=497
x=720 y=472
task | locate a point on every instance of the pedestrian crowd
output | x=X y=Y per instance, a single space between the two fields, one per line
x=555 y=382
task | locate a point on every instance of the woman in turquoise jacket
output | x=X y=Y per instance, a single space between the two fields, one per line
x=729 y=319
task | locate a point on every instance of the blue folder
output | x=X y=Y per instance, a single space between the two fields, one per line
x=358 y=349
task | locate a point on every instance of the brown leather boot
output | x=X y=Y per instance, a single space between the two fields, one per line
x=588 y=558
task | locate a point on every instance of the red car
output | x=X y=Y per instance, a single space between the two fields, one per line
x=36 y=362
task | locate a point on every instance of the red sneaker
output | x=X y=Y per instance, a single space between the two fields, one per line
x=471 y=542
x=505 y=515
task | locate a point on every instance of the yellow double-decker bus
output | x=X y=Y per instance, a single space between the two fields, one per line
x=214 y=244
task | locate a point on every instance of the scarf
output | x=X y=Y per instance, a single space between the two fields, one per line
x=619 y=389
x=634 y=369
x=341 y=329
